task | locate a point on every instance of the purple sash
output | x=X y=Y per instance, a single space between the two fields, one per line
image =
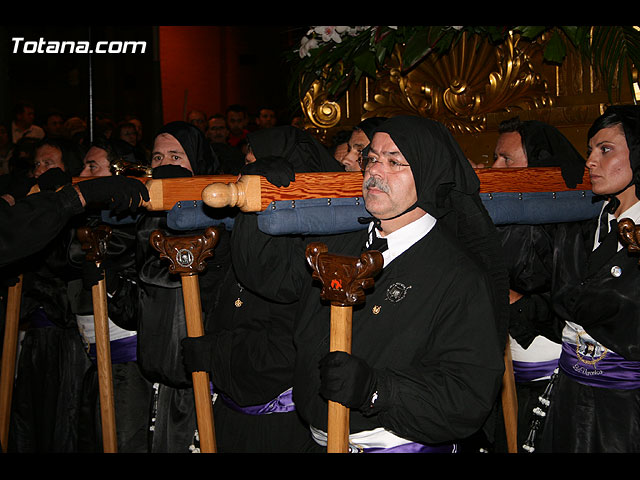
x=123 y=350
x=530 y=371
x=281 y=404
x=610 y=371
x=39 y=319
x=413 y=448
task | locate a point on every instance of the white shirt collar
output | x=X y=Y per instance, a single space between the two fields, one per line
x=633 y=213
x=403 y=238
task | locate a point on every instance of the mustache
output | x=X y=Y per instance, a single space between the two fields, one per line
x=375 y=182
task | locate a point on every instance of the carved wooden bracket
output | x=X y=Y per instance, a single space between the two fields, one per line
x=343 y=278
x=94 y=241
x=629 y=234
x=186 y=253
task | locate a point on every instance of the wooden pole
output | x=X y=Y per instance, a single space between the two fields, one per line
x=9 y=351
x=94 y=242
x=509 y=402
x=343 y=282
x=105 y=374
x=201 y=390
x=187 y=255
x=339 y=341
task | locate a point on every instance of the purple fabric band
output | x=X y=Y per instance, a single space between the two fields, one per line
x=611 y=371
x=123 y=350
x=413 y=448
x=281 y=404
x=39 y=319
x=530 y=371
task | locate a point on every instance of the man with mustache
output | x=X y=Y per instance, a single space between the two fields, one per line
x=426 y=361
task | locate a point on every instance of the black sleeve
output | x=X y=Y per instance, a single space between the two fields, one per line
x=33 y=221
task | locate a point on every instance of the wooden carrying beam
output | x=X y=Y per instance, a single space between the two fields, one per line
x=254 y=193
x=187 y=256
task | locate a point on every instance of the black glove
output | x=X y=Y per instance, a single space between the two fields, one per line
x=19 y=186
x=277 y=170
x=53 y=179
x=347 y=380
x=171 y=171
x=118 y=192
x=197 y=353
x=92 y=274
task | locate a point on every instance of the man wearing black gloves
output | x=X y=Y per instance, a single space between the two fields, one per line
x=29 y=225
x=426 y=361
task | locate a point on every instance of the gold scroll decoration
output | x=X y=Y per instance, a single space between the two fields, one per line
x=459 y=89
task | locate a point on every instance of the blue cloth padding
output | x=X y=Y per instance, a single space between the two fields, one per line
x=110 y=219
x=315 y=216
x=193 y=215
x=535 y=208
x=322 y=216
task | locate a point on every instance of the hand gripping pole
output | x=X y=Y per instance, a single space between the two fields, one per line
x=343 y=282
x=187 y=255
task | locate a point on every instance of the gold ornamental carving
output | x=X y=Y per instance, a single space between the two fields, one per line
x=459 y=89
x=323 y=112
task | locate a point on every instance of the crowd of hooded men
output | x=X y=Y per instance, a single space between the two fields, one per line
x=426 y=365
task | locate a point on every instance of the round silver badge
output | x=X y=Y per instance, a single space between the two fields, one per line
x=184 y=257
x=396 y=292
x=616 y=271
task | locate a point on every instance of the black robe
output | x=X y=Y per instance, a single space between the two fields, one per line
x=437 y=349
x=584 y=418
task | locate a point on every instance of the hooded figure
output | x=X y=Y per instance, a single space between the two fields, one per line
x=201 y=157
x=156 y=303
x=593 y=301
x=426 y=361
x=545 y=146
x=281 y=152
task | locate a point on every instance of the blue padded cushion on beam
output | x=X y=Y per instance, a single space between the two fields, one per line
x=321 y=216
x=534 y=208
x=194 y=215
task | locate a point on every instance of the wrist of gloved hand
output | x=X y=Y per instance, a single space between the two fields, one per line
x=197 y=353
x=277 y=170
x=347 y=380
x=118 y=192
x=53 y=179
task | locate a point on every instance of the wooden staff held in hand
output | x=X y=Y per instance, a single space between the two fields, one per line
x=187 y=255
x=344 y=280
x=94 y=242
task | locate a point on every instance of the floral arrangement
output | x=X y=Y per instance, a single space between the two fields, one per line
x=340 y=55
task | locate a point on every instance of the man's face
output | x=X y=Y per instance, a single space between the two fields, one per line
x=54 y=126
x=26 y=117
x=198 y=119
x=217 y=131
x=129 y=135
x=47 y=157
x=266 y=118
x=509 y=152
x=388 y=187
x=357 y=142
x=96 y=163
x=236 y=122
x=167 y=150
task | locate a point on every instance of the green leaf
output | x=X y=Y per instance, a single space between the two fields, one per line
x=555 y=50
x=367 y=63
x=416 y=48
